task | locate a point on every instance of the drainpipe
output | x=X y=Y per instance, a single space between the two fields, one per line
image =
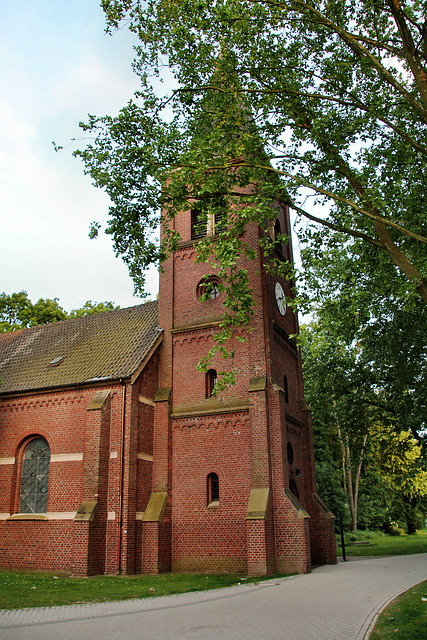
x=121 y=478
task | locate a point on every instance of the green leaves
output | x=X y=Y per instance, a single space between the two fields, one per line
x=322 y=104
x=94 y=229
x=331 y=91
x=18 y=312
x=89 y=308
x=365 y=377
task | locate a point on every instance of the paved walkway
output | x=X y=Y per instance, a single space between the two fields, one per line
x=332 y=603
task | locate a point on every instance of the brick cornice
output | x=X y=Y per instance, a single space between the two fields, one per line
x=190 y=328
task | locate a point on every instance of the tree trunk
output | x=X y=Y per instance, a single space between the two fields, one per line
x=357 y=480
x=410 y=511
x=350 y=487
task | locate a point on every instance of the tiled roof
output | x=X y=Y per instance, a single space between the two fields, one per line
x=108 y=345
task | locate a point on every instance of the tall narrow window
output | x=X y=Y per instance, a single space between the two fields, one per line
x=285 y=389
x=35 y=477
x=290 y=453
x=207 y=217
x=212 y=489
x=211 y=380
x=218 y=219
x=198 y=224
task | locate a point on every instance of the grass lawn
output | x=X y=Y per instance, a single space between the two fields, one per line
x=380 y=544
x=405 y=618
x=19 y=589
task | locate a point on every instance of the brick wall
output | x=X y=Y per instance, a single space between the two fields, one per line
x=210 y=537
x=85 y=449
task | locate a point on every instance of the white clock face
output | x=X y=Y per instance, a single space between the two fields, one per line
x=280 y=298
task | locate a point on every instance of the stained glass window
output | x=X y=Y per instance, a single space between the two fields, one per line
x=35 y=477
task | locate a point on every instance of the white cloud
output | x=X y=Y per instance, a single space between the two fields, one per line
x=90 y=86
x=56 y=65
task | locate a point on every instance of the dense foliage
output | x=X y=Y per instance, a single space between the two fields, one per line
x=18 y=312
x=336 y=94
x=369 y=420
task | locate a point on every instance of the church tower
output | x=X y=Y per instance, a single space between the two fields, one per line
x=233 y=476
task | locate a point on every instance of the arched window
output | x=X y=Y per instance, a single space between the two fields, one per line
x=286 y=389
x=35 y=477
x=212 y=486
x=277 y=229
x=211 y=380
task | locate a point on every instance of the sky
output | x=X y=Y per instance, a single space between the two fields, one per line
x=56 y=66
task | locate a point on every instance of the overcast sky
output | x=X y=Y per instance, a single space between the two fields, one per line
x=56 y=66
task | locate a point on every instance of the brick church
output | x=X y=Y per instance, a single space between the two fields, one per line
x=115 y=457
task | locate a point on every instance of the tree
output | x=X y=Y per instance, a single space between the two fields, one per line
x=345 y=406
x=365 y=385
x=334 y=92
x=402 y=465
x=18 y=312
x=357 y=309
x=90 y=308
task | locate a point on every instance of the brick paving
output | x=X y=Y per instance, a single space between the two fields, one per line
x=332 y=603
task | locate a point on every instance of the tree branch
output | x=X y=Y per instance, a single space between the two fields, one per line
x=356 y=103
x=351 y=40
x=411 y=53
x=305 y=183
x=334 y=227
x=381 y=45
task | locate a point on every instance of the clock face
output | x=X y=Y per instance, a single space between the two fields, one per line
x=280 y=298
